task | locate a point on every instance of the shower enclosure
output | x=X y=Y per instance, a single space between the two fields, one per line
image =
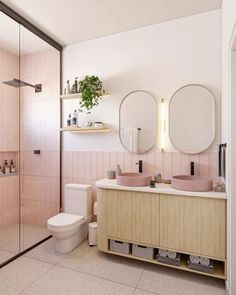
x=29 y=134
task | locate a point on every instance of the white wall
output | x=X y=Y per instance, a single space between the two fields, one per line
x=228 y=24
x=159 y=58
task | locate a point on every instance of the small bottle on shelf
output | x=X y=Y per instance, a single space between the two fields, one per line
x=74 y=119
x=6 y=167
x=12 y=167
x=75 y=86
x=68 y=91
x=68 y=121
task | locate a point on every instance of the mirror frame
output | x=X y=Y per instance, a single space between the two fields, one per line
x=153 y=97
x=214 y=102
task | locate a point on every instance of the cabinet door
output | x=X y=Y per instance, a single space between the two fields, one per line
x=193 y=225
x=133 y=216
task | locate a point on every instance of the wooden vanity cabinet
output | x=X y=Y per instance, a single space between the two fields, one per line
x=185 y=224
x=193 y=225
x=133 y=216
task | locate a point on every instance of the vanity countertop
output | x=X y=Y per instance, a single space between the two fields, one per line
x=160 y=188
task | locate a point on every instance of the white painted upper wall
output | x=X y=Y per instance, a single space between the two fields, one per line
x=159 y=58
x=228 y=23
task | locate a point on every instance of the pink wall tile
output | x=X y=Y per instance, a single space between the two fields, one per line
x=167 y=169
x=100 y=165
x=106 y=163
x=94 y=165
x=204 y=166
x=176 y=163
x=159 y=162
x=185 y=164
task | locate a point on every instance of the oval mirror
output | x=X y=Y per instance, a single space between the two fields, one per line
x=192 y=119
x=138 y=121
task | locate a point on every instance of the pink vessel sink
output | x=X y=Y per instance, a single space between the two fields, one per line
x=133 y=179
x=192 y=183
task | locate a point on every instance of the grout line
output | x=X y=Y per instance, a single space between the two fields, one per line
x=93 y=275
x=140 y=278
x=37 y=278
x=154 y=293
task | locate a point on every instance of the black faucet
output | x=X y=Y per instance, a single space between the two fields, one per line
x=140 y=166
x=192 y=168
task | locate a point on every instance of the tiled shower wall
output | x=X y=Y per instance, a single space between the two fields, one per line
x=40 y=184
x=9 y=138
x=87 y=167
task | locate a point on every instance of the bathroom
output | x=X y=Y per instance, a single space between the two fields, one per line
x=147 y=59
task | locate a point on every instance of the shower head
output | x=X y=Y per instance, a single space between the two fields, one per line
x=18 y=83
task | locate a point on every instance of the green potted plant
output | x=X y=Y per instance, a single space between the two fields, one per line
x=91 y=91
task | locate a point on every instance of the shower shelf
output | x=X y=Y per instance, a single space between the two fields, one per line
x=75 y=96
x=9 y=175
x=85 y=130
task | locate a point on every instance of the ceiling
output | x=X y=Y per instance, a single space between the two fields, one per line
x=19 y=40
x=74 y=21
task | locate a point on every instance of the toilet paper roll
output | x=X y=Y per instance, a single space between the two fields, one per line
x=204 y=261
x=162 y=252
x=194 y=259
x=172 y=254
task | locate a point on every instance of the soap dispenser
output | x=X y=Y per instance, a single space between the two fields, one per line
x=118 y=170
x=68 y=87
x=12 y=167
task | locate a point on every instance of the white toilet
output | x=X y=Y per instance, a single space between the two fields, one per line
x=71 y=227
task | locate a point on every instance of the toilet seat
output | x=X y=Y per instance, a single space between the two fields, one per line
x=65 y=221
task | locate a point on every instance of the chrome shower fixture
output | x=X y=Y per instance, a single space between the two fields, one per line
x=18 y=83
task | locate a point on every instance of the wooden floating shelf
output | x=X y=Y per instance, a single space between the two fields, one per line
x=75 y=96
x=84 y=130
x=219 y=266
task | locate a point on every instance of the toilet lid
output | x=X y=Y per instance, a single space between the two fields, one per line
x=64 y=219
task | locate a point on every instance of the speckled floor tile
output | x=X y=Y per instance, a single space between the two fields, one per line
x=19 y=274
x=61 y=281
x=91 y=261
x=165 y=281
x=46 y=252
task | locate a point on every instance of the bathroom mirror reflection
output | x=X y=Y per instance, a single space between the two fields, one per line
x=138 y=121
x=192 y=119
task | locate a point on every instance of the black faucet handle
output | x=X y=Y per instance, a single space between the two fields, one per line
x=140 y=166
x=192 y=168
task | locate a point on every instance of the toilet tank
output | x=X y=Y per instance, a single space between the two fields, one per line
x=78 y=199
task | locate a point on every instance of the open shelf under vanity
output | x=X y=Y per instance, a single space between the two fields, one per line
x=219 y=268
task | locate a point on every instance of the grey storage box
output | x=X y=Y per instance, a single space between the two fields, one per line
x=142 y=251
x=119 y=247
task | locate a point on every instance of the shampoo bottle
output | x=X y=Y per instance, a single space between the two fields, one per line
x=6 y=167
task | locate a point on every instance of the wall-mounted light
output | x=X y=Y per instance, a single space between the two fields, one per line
x=163 y=127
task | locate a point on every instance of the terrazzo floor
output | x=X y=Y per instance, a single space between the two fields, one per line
x=87 y=271
x=17 y=238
